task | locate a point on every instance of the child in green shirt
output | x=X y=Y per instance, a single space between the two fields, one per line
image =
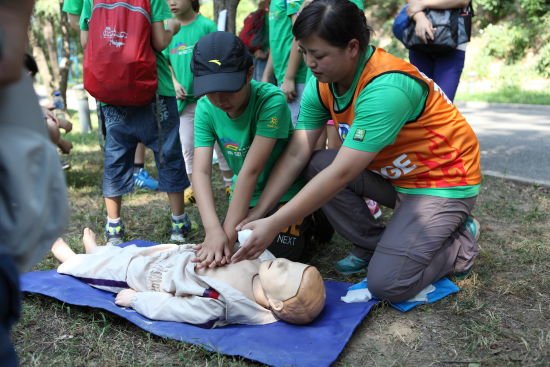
x=251 y=122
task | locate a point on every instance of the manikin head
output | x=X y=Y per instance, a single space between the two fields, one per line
x=222 y=70
x=295 y=291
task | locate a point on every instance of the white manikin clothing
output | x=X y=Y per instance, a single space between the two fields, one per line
x=167 y=285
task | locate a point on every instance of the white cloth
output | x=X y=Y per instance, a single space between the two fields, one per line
x=167 y=285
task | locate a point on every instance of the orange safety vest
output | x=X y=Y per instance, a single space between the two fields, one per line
x=436 y=150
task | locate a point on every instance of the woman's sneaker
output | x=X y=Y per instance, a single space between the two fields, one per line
x=189 y=196
x=472 y=225
x=114 y=233
x=352 y=264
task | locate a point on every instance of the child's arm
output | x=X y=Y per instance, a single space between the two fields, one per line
x=216 y=248
x=161 y=37
x=166 y=307
x=254 y=164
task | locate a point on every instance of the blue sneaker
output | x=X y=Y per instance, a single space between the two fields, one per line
x=352 y=264
x=183 y=230
x=114 y=233
x=144 y=181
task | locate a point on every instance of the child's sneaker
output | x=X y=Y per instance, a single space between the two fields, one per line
x=228 y=191
x=183 y=230
x=144 y=181
x=189 y=196
x=114 y=233
x=374 y=208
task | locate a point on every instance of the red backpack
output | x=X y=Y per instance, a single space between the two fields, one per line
x=119 y=61
x=252 y=33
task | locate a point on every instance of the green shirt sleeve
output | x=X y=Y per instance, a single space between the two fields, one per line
x=205 y=135
x=274 y=119
x=86 y=14
x=382 y=109
x=73 y=6
x=159 y=11
x=293 y=6
x=313 y=114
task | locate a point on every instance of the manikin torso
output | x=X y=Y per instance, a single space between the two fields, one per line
x=238 y=276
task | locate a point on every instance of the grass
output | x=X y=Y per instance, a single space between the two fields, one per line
x=506 y=94
x=501 y=317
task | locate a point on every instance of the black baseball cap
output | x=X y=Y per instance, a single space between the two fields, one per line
x=220 y=63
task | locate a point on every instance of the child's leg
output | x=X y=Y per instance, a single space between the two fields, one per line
x=61 y=250
x=89 y=240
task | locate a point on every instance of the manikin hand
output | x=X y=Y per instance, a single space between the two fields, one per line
x=181 y=93
x=263 y=233
x=214 y=251
x=424 y=28
x=124 y=297
x=289 y=89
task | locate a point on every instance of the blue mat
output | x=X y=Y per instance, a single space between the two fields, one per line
x=277 y=344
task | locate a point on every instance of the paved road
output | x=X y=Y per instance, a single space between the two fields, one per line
x=514 y=140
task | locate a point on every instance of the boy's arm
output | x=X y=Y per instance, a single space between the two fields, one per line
x=216 y=248
x=256 y=158
x=167 y=307
x=161 y=37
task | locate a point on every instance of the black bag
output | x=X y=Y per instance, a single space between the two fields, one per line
x=453 y=27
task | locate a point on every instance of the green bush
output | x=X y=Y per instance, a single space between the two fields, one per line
x=506 y=42
x=543 y=61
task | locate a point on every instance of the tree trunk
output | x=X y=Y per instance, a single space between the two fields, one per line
x=42 y=62
x=231 y=6
x=66 y=62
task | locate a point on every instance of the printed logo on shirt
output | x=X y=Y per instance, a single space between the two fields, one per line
x=230 y=144
x=401 y=166
x=274 y=123
x=215 y=61
x=182 y=49
x=343 y=130
x=359 y=134
x=232 y=148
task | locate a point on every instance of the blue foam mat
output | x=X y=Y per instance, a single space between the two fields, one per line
x=277 y=344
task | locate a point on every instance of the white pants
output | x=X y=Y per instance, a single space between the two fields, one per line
x=187 y=128
x=295 y=105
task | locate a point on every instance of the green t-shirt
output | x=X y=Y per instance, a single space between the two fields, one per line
x=267 y=115
x=382 y=108
x=280 y=37
x=73 y=6
x=159 y=13
x=180 y=52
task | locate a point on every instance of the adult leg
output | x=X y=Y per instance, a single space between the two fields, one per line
x=348 y=212
x=424 y=62
x=424 y=241
x=447 y=71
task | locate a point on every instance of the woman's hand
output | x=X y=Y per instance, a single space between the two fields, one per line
x=181 y=93
x=214 y=251
x=124 y=297
x=424 y=28
x=263 y=233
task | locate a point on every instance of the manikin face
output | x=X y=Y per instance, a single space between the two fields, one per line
x=178 y=7
x=281 y=278
x=232 y=103
x=329 y=64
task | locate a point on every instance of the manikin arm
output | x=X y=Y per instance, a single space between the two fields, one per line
x=166 y=307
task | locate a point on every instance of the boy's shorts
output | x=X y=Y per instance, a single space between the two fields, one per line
x=293 y=241
x=125 y=127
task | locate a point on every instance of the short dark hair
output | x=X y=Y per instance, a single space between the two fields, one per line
x=30 y=64
x=196 y=5
x=335 y=21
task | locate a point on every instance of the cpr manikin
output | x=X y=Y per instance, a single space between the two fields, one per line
x=160 y=282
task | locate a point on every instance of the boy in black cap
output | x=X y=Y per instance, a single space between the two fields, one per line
x=252 y=124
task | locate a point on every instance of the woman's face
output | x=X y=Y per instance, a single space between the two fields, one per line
x=329 y=64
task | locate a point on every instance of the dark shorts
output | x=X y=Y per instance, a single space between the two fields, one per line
x=125 y=127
